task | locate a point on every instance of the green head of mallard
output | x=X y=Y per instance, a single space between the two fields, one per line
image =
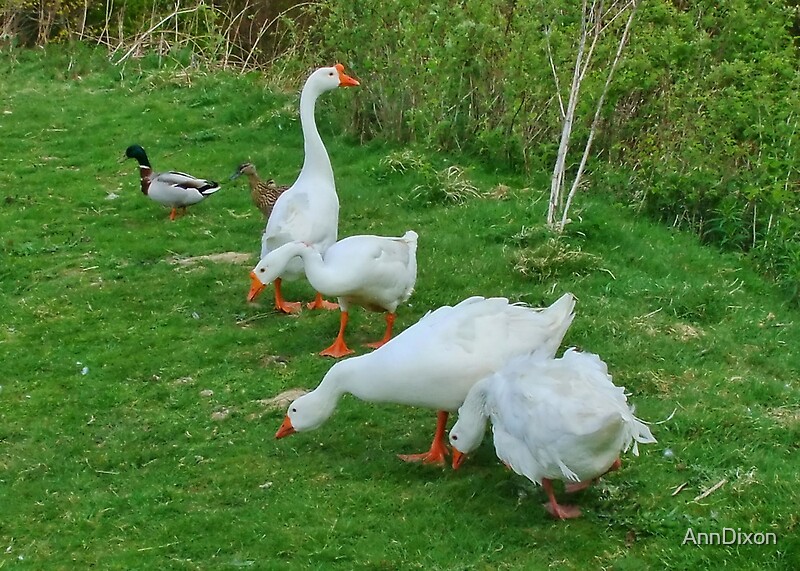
x=137 y=152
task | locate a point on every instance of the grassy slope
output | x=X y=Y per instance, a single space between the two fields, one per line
x=125 y=467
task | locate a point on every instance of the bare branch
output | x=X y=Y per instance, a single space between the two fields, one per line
x=618 y=14
x=153 y=28
x=596 y=120
x=557 y=181
x=268 y=25
x=547 y=33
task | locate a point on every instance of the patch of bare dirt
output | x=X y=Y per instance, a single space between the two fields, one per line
x=282 y=400
x=785 y=415
x=684 y=331
x=224 y=257
x=279 y=402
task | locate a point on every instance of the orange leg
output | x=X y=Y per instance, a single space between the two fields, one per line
x=573 y=487
x=553 y=508
x=338 y=348
x=438 y=451
x=173 y=213
x=386 y=336
x=283 y=305
x=320 y=303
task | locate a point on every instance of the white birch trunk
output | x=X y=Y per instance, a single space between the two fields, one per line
x=591 y=24
x=596 y=120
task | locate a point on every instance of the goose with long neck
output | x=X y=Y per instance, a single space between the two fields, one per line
x=309 y=210
x=435 y=362
x=552 y=419
x=375 y=272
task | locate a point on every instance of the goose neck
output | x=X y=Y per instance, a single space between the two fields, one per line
x=316 y=161
x=473 y=417
x=321 y=276
x=334 y=384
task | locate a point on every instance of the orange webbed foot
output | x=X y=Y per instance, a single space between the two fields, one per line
x=320 y=303
x=289 y=306
x=280 y=303
x=560 y=511
x=438 y=451
x=553 y=507
x=376 y=344
x=430 y=457
x=387 y=335
x=337 y=349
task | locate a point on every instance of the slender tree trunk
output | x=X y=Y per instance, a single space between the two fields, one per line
x=596 y=120
x=595 y=19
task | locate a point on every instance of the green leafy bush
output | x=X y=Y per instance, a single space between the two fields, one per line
x=711 y=134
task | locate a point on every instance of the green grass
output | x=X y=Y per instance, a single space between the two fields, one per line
x=130 y=466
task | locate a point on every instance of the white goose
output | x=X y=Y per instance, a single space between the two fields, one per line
x=309 y=210
x=173 y=188
x=375 y=272
x=436 y=361
x=552 y=419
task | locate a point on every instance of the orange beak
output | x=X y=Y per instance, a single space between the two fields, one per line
x=255 y=287
x=286 y=429
x=458 y=458
x=344 y=79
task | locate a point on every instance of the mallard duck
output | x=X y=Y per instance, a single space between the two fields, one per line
x=263 y=192
x=309 y=210
x=375 y=272
x=436 y=361
x=552 y=419
x=174 y=189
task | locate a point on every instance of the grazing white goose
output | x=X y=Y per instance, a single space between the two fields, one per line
x=309 y=210
x=552 y=419
x=375 y=272
x=174 y=189
x=436 y=361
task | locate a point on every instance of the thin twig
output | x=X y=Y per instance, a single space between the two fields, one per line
x=711 y=490
x=159 y=546
x=651 y=314
x=547 y=33
x=596 y=121
x=679 y=489
x=557 y=181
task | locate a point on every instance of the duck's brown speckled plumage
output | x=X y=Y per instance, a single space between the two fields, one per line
x=263 y=192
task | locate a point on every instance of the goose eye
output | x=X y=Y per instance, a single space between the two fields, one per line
x=454 y=437
x=330 y=73
x=262 y=270
x=294 y=409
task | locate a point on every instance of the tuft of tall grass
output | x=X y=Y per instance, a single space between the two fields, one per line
x=553 y=259
x=449 y=184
